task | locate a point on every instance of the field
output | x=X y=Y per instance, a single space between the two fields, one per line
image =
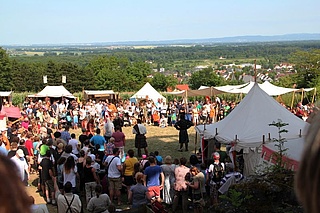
x=164 y=140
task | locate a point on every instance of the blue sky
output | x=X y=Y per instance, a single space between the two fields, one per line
x=85 y=21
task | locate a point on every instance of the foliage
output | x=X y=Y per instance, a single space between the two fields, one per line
x=206 y=77
x=236 y=198
x=5 y=71
x=307 y=65
x=161 y=82
x=280 y=144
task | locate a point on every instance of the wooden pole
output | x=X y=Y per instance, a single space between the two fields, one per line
x=314 y=95
x=255 y=71
x=302 y=94
x=195 y=143
x=292 y=99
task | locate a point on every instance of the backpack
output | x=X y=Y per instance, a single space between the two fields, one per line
x=217 y=173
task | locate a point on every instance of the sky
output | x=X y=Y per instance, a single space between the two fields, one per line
x=87 y=21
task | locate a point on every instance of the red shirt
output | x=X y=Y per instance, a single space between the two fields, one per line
x=119 y=139
x=29 y=146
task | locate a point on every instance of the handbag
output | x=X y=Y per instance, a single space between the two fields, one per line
x=104 y=181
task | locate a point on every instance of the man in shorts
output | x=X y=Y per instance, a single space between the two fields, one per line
x=114 y=168
x=152 y=176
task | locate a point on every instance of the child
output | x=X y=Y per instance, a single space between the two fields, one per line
x=143 y=161
x=158 y=157
x=173 y=119
x=109 y=147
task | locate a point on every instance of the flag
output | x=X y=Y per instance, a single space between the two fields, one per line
x=45 y=79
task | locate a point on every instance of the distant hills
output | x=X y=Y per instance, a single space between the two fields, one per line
x=234 y=39
x=206 y=41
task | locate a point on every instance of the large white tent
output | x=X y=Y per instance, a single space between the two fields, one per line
x=54 y=92
x=248 y=124
x=148 y=92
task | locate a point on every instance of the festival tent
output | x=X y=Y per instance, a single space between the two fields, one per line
x=147 y=92
x=12 y=112
x=248 y=124
x=54 y=92
x=100 y=94
x=292 y=155
x=273 y=90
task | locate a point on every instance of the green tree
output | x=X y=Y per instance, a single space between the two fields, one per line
x=307 y=65
x=206 y=77
x=5 y=71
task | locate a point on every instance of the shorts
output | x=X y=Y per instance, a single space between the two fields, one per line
x=128 y=180
x=49 y=185
x=154 y=191
x=115 y=183
x=214 y=190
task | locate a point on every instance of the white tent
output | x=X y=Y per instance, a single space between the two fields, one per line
x=55 y=92
x=249 y=122
x=148 y=92
x=292 y=154
x=273 y=90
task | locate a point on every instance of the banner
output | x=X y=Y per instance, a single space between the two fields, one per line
x=45 y=79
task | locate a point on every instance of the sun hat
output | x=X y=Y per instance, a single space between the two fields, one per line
x=20 y=153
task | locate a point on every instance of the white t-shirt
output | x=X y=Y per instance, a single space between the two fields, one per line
x=71 y=177
x=21 y=165
x=74 y=143
x=113 y=171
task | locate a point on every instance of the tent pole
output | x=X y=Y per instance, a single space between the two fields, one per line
x=302 y=94
x=234 y=155
x=292 y=99
x=269 y=136
x=314 y=95
x=195 y=143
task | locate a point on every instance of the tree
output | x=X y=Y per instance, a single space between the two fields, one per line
x=5 y=71
x=307 y=65
x=206 y=77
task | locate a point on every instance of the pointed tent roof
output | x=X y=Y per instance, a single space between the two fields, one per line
x=147 y=91
x=250 y=120
x=55 y=92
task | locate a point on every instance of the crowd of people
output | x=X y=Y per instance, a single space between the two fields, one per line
x=96 y=164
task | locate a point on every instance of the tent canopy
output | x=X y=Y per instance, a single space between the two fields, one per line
x=12 y=112
x=5 y=94
x=148 y=92
x=54 y=92
x=292 y=154
x=250 y=120
x=99 y=92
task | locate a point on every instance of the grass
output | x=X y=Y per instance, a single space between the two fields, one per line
x=164 y=140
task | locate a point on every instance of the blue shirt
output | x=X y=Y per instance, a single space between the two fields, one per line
x=65 y=135
x=98 y=139
x=153 y=175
